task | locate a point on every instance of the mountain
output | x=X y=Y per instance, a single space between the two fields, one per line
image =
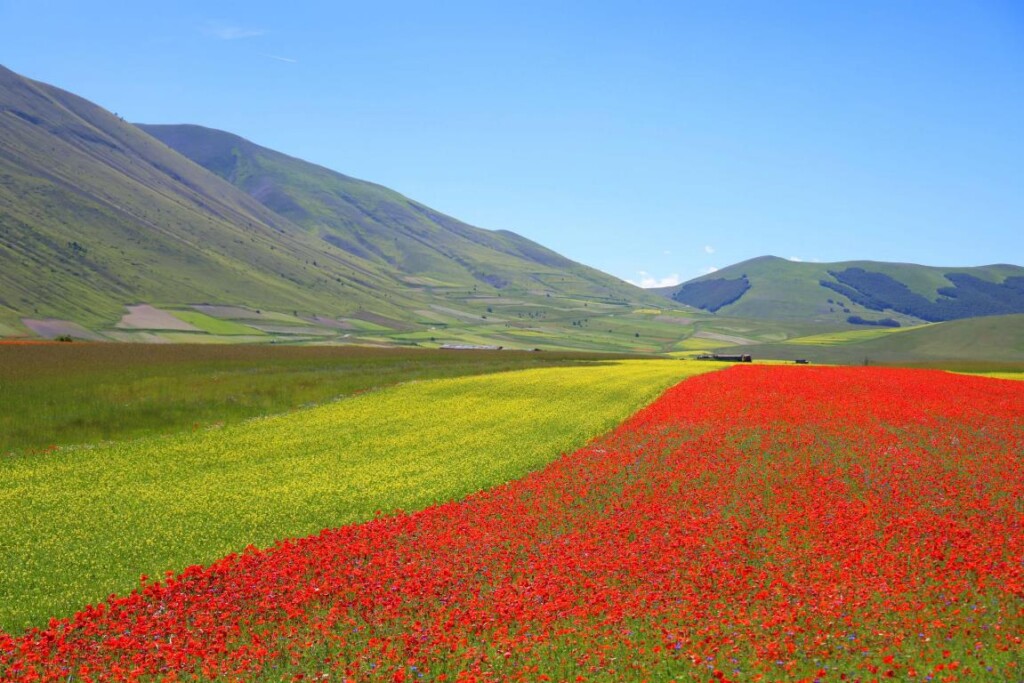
x=94 y=214
x=97 y=214
x=423 y=246
x=867 y=293
x=112 y=231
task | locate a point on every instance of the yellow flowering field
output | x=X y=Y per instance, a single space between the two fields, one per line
x=83 y=522
x=998 y=375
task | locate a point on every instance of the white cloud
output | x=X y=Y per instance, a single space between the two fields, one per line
x=796 y=259
x=647 y=280
x=667 y=252
x=287 y=60
x=708 y=249
x=232 y=32
x=708 y=270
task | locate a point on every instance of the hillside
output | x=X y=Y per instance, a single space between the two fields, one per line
x=380 y=225
x=994 y=340
x=867 y=293
x=111 y=231
x=97 y=215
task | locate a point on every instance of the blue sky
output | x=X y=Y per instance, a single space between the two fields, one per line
x=652 y=140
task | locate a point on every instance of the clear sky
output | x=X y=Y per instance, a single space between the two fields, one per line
x=652 y=140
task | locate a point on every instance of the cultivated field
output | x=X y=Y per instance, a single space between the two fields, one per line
x=53 y=394
x=759 y=523
x=83 y=522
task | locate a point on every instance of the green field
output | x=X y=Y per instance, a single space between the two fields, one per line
x=81 y=522
x=995 y=343
x=847 y=337
x=213 y=325
x=52 y=394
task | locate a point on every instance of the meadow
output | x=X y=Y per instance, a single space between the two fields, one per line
x=994 y=342
x=80 y=523
x=851 y=524
x=58 y=394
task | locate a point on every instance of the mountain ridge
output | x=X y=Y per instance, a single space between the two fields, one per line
x=112 y=231
x=77 y=178
x=97 y=214
x=355 y=215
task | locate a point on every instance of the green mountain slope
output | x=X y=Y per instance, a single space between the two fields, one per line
x=871 y=292
x=96 y=215
x=382 y=226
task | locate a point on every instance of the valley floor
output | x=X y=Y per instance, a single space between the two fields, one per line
x=760 y=523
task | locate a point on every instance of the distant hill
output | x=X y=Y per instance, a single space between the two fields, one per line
x=868 y=293
x=991 y=340
x=97 y=214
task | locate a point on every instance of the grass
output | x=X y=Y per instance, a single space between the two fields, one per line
x=53 y=394
x=981 y=368
x=213 y=325
x=973 y=367
x=849 y=337
x=365 y=326
x=992 y=342
x=699 y=344
x=83 y=522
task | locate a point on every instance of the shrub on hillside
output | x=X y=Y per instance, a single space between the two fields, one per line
x=712 y=295
x=969 y=296
x=883 y=322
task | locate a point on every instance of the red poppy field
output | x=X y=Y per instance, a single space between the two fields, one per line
x=759 y=523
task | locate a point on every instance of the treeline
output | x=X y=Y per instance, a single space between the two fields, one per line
x=711 y=295
x=969 y=296
x=883 y=322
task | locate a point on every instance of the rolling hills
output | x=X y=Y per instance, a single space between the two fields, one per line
x=985 y=343
x=867 y=293
x=379 y=225
x=180 y=233
x=97 y=215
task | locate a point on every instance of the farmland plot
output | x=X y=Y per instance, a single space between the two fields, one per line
x=80 y=523
x=761 y=523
